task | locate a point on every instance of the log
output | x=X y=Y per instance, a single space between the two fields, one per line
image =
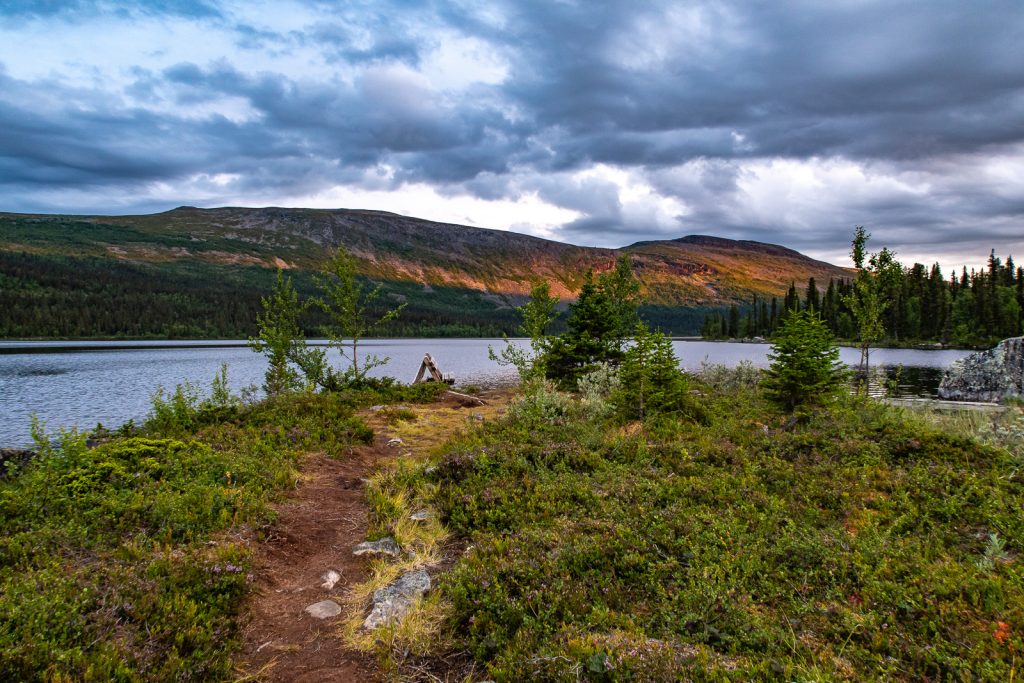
x=473 y=400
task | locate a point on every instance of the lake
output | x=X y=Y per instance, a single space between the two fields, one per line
x=81 y=383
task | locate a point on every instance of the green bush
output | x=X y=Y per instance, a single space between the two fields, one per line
x=106 y=570
x=857 y=544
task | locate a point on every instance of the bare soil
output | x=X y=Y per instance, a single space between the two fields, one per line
x=317 y=526
x=316 y=529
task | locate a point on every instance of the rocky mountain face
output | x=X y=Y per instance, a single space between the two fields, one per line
x=690 y=271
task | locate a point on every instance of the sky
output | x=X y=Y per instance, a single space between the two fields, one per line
x=595 y=123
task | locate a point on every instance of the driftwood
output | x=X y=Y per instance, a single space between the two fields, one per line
x=428 y=366
x=466 y=398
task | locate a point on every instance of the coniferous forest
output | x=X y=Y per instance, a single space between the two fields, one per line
x=975 y=308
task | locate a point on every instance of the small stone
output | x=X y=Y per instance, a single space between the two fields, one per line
x=385 y=546
x=325 y=609
x=479 y=417
x=374 y=409
x=329 y=578
x=395 y=442
x=420 y=516
x=392 y=602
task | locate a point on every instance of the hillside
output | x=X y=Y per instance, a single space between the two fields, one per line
x=189 y=266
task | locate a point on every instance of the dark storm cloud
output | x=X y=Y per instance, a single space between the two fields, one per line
x=693 y=99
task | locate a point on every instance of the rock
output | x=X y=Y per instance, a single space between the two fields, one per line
x=376 y=409
x=325 y=609
x=329 y=578
x=13 y=459
x=395 y=442
x=992 y=375
x=392 y=602
x=385 y=546
x=420 y=516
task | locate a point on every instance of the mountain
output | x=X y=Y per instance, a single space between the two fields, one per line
x=458 y=279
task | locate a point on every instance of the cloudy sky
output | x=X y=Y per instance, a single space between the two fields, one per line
x=597 y=123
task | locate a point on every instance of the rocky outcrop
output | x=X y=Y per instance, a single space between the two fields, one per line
x=992 y=375
x=392 y=602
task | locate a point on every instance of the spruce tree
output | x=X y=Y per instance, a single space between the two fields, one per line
x=813 y=298
x=593 y=336
x=805 y=369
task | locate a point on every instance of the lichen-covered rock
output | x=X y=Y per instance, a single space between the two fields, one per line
x=391 y=602
x=385 y=546
x=992 y=375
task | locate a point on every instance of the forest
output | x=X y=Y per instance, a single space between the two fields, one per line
x=976 y=308
x=66 y=297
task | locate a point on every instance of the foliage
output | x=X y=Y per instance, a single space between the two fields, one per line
x=650 y=380
x=860 y=544
x=347 y=302
x=744 y=376
x=600 y=322
x=281 y=338
x=184 y=411
x=805 y=369
x=537 y=314
x=867 y=302
x=108 y=565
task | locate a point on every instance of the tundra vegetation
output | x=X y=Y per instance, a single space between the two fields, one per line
x=622 y=521
x=648 y=525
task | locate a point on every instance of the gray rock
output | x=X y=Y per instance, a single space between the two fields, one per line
x=324 y=609
x=992 y=375
x=421 y=516
x=391 y=602
x=395 y=442
x=385 y=546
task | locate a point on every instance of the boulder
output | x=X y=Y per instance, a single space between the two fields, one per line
x=391 y=602
x=992 y=375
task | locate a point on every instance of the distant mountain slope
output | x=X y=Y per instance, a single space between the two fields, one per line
x=430 y=265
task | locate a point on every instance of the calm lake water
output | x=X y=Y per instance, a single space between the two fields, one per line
x=70 y=384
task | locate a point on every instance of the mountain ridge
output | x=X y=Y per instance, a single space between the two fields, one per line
x=433 y=266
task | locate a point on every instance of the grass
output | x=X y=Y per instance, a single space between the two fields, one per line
x=126 y=561
x=863 y=543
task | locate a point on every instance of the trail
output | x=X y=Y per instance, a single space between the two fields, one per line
x=316 y=529
x=318 y=525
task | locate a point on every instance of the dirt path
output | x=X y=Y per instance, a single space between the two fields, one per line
x=315 y=533
x=317 y=527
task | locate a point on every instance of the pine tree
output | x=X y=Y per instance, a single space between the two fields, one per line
x=592 y=337
x=734 y=322
x=805 y=367
x=813 y=298
x=649 y=379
